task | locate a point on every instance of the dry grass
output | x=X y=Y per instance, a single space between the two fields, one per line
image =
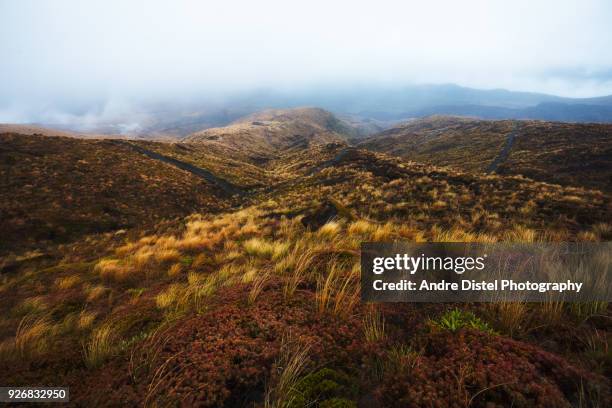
x=551 y=312
x=265 y=249
x=373 y=325
x=521 y=234
x=291 y=363
x=67 y=282
x=361 y=227
x=337 y=289
x=114 y=270
x=175 y=270
x=258 y=285
x=86 y=319
x=100 y=345
x=169 y=296
x=95 y=292
x=511 y=317
x=167 y=255
x=31 y=338
x=329 y=230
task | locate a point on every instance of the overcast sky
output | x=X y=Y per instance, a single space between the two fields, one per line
x=57 y=52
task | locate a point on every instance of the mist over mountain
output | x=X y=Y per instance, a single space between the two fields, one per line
x=162 y=69
x=373 y=108
x=384 y=103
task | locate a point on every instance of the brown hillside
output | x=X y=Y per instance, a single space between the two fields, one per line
x=56 y=189
x=237 y=282
x=261 y=136
x=564 y=153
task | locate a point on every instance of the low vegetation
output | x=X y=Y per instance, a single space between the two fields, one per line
x=571 y=154
x=255 y=300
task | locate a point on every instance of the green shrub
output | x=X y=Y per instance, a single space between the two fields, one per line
x=325 y=388
x=456 y=319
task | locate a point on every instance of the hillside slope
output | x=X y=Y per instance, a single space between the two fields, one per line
x=213 y=299
x=565 y=153
x=57 y=189
x=264 y=134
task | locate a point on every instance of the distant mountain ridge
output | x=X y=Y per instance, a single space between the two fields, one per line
x=383 y=103
x=373 y=108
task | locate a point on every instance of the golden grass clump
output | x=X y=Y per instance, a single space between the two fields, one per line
x=291 y=362
x=265 y=249
x=459 y=235
x=114 y=270
x=383 y=232
x=329 y=230
x=195 y=243
x=86 y=319
x=439 y=205
x=259 y=283
x=31 y=305
x=373 y=326
x=67 y=282
x=603 y=231
x=258 y=247
x=95 y=292
x=175 y=270
x=587 y=236
x=521 y=233
x=167 y=255
x=511 y=317
x=250 y=274
x=361 y=227
x=32 y=336
x=199 y=261
x=168 y=297
x=338 y=291
x=100 y=345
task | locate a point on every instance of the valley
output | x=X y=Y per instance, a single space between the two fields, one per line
x=222 y=268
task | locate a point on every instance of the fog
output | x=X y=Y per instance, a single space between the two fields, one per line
x=96 y=60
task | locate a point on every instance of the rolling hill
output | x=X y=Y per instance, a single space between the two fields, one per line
x=266 y=133
x=570 y=154
x=58 y=189
x=224 y=270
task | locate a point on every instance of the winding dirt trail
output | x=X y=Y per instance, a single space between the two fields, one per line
x=224 y=185
x=503 y=155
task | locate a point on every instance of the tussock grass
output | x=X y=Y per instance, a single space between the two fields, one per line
x=383 y=232
x=373 y=325
x=31 y=338
x=31 y=306
x=265 y=249
x=521 y=234
x=168 y=297
x=337 y=290
x=100 y=345
x=551 y=312
x=329 y=230
x=361 y=227
x=511 y=317
x=167 y=255
x=291 y=363
x=603 y=231
x=298 y=264
x=258 y=285
x=94 y=293
x=86 y=319
x=114 y=270
x=175 y=270
x=67 y=282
